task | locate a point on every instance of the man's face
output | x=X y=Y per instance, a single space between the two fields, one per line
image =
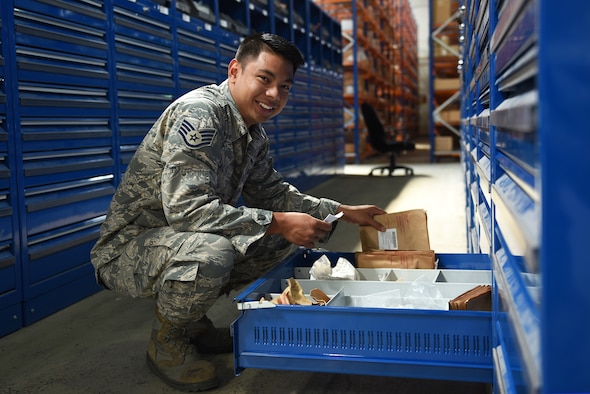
x=260 y=87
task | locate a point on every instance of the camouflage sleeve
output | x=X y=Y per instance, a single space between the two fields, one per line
x=193 y=149
x=267 y=189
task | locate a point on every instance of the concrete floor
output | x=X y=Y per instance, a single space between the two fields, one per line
x=98 y=345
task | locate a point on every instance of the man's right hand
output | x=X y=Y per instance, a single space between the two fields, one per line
x=299 y=228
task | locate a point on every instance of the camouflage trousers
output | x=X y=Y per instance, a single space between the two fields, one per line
x=186 y=272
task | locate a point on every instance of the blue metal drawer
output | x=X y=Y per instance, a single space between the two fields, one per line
x=11 y=318
x=135 y=106
x=507 y=366
x=83 y=36
x=8 y=273
x=518 y=215
x=455 y=345
x=82 y=200
x=44 y=168
x=51 y=134
x=6 y=217
x=515 y=33
x=516 y=125
x=519 y=318
x=56 y=252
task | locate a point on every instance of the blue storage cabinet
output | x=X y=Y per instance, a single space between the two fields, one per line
x=62 y=124
x=81 y=84
x=524 y=98
x=11 y=317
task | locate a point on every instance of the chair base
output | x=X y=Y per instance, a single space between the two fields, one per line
x=409 y=171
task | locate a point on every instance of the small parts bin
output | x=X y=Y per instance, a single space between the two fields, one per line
x=336 y=338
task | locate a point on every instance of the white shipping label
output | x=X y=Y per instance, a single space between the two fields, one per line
x=388 y=239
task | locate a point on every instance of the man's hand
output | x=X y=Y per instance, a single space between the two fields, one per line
x=362 y=215
x=299 y=228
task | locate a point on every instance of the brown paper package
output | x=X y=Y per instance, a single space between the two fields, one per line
x=421 y=259
x=411 y=227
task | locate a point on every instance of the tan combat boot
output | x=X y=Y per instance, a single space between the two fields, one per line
x=208 y=339
x=171 y=356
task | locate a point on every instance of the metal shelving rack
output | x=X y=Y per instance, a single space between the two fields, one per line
x=524 y=135
x=444 y=82
x=83 y=81
x=380 y=66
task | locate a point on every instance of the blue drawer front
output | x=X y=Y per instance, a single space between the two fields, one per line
x=375 y=341
x=57 y=252
x=53 y=168
x=8 y=276
x=521 y=34
x=45 y=210
x=6 y=212
x=63 y=291
x=50 y=134
x=519 y=299
x=11 y=318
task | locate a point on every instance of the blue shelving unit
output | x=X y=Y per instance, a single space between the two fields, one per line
x=10 y=265
x=524 y=95
x=61 y=120
x=81 y=84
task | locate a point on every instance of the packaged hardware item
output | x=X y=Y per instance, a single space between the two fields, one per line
x=421 y=259
x=477 y=299
x=407 y=230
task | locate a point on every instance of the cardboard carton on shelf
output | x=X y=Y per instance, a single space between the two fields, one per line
x=447 y=84
x=439 y=50
x=452 y=116
x=442 y=10
x=443 y=143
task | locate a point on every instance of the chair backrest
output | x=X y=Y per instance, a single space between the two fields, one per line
x=374 y=127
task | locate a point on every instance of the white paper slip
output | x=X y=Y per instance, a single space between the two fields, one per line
x=388 y=239
x=332 y=218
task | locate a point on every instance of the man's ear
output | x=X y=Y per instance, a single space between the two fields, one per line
x=232 y=69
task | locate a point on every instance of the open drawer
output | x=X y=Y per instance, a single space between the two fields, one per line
x=338 y=338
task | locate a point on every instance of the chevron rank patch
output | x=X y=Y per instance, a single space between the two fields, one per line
x=195 y=138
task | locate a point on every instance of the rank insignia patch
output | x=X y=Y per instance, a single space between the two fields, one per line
x=193 y=138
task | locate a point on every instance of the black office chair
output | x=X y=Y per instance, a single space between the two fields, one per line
x=378 y=141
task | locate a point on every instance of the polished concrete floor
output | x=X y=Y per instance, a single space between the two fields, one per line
x=98 y=345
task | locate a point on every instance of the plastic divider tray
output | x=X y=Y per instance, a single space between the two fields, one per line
x=414 y=343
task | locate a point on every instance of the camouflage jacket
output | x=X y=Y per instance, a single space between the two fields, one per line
x=189 y=173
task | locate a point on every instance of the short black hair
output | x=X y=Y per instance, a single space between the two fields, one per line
x=258 y=42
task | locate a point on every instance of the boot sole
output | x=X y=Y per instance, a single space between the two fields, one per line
x=207 y=385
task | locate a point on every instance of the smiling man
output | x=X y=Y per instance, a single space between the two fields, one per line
x=175 y=231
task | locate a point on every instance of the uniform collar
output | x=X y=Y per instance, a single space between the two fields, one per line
x=242 y=128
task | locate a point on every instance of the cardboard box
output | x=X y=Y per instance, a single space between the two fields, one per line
x=407 y=230
x=443 y=143
x=439 y=50
x=451 y=115
x=447 y=84
x=441 y=11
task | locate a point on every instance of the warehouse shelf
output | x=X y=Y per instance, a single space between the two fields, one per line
x=444 y=86
x=523 y=102
x=82 y=83
x=380 y=66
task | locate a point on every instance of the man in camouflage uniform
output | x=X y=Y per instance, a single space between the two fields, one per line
x=174 y=230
